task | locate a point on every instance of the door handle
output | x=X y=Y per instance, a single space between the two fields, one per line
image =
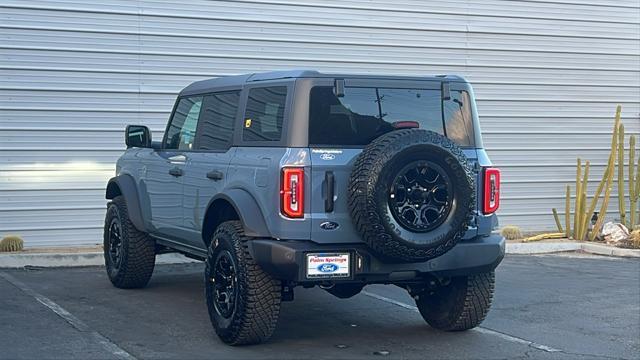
x=215 y=175
x=176 y=172
x=329 y=181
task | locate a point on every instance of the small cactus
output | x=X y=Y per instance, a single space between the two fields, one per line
x=511 y=232
x=11 y=243
x=634 y=238
x=557 y=219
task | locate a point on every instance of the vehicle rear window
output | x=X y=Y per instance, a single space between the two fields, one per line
x=365 y=113
x=264 y=114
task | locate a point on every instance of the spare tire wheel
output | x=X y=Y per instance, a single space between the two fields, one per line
x=412 y=193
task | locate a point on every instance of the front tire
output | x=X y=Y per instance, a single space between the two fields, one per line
x=129 y=254
x=458 y=305
x=243 y=300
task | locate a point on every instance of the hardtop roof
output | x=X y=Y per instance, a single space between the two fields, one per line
x=239 y=80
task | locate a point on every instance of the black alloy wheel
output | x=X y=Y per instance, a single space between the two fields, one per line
x=115 y=242
x=421 y=196
x=129 y=254
x=225 y=284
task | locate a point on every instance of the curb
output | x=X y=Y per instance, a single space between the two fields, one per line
x=17 y=260
x=549 y=248
x=541 y=248
x=95 y=258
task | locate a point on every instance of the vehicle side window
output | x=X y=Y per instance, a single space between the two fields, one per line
x=217 y=119
x=458 y=119
x=264 y=114
x=182 y=130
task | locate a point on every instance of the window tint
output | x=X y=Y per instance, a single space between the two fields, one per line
x=217 y=119
x=182 y=130
x=264 y=114
x=363 y=114
x=458 y=118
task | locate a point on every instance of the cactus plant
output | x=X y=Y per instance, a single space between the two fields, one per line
x=511 y=232
x=633 y=195
x=11 y=243
x=544 y=236
x=557 y=219
x=583 y=201
x=609 y=178
x=634 y=238
x=596 y=196
x=567 y=212
x=576 y=212
x=583 y=212
x=621 y=202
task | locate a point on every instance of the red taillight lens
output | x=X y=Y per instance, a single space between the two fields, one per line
x=292 y=192
x=491 y=201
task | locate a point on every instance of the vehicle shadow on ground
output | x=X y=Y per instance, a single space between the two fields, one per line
x=317 y=322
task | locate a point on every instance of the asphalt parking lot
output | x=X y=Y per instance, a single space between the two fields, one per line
x=549 y=307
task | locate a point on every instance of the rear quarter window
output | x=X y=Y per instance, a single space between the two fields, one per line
x=264 y=114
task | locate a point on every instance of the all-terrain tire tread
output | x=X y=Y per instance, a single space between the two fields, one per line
x=363 y=184
x=261 y=294
x=139 y=257
x=469 y=309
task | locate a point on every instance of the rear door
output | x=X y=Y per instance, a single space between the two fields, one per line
x=206 y=169
x=339 y=127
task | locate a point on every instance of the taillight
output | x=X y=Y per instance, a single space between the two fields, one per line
x=491 y=201
x=292 y=192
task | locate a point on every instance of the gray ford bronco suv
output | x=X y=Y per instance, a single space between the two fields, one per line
x=299 y=178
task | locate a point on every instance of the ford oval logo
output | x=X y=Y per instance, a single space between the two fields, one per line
x=327 y=156
x=329 y=225
x=327 y=268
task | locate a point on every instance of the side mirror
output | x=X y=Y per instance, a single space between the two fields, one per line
x=137 y=136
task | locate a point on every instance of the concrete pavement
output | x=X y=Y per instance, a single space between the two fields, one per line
x=546 y=306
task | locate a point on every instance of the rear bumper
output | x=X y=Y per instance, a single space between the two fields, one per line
x=285 y=260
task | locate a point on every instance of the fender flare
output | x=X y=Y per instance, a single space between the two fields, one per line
x=125 y=185
x=247 y=209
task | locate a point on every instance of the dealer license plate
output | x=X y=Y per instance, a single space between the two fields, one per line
x=330 y=265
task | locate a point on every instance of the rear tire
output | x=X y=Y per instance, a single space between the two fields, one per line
x=461 y=304
x=129 y=254
x=243 y=300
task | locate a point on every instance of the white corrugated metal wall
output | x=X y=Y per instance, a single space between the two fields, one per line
x=547 y=76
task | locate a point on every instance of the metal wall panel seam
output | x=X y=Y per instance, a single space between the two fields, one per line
x=291 y=22
x=309 y=41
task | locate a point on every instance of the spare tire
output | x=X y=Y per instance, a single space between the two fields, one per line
x=411 y=195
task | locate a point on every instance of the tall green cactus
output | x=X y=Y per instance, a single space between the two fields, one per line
x=567 y=212
x=583 y=211
x=637 y=190
x=633 y=195
x=621 y=194
x=609 y=178
x=610 y=168
x=584 y=217
x=576 y=208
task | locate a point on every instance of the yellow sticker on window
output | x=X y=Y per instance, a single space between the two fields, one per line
x=247 y=123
